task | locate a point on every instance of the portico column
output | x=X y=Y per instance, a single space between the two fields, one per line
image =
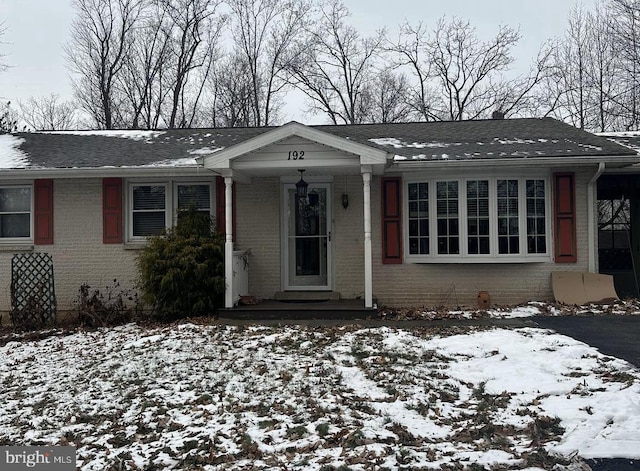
x=368 y=274
x=228 y=242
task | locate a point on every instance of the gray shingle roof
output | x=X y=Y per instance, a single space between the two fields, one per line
x=463 y=140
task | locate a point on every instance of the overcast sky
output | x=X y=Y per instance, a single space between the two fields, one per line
x=36 y=31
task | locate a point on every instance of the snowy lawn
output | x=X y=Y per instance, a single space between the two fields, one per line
x=210 y=397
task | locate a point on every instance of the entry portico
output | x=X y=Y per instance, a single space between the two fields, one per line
x=291 y=153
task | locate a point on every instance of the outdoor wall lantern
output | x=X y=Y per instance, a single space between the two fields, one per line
x=301 y=186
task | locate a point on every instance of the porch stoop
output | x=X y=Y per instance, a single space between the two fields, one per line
x=303 y=309
x=306 y=296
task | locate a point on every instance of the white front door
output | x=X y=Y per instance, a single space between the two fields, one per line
x=307 y=238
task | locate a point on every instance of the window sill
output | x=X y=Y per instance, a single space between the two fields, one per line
x=476 y=260
x=135 y=245
x=16 y=247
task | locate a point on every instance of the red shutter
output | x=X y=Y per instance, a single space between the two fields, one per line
x=564 y=213
x=112 y=211
x=43 y=212
x=391 y=220
x=220 y=209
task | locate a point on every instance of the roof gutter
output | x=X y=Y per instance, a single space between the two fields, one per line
x=591 y=217
x=622 y=160
x=102 y=172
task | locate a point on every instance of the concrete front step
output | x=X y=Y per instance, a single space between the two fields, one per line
x=306 y=296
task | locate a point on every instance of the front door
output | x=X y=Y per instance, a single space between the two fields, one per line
x=307 y=238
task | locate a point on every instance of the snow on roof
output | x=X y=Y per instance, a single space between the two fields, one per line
x=399 y=144
x=10 y=155
x=135 y=134
x=184 y=162
x=619 y=134
x=205 y=150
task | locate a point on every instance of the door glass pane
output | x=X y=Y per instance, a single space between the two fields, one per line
x=308 y=237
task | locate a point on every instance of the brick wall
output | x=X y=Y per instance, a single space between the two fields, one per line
x=413 y=285
x=79 y=256
x=258 y=229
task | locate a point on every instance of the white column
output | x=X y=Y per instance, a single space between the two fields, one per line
x=228 y=242
x=368 y=273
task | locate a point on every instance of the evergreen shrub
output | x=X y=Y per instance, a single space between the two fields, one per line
x=182 y=270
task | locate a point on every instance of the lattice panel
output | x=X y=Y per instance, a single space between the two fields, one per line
x=33 y=296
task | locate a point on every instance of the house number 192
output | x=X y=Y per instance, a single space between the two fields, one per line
x=296 y=155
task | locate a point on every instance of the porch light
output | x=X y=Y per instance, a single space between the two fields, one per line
x=345 y=200
x=301 y=186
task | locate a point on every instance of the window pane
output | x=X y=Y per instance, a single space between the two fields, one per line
x=197 y=196
x=15 y=200
x=148 y=197
x=447 y=217
x=423 y=191
x=424 y=227
x=477 y=216
x=413 y=191
x=424 y=209
x=508 y=222
x=15 y=225
x=413 y=227
x=536 y=208
x=148 y=223
x=418 y=218
x=413 y=209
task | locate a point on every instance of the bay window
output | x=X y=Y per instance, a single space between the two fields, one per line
x=478 y=219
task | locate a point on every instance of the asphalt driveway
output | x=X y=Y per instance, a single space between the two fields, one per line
x=618 y=336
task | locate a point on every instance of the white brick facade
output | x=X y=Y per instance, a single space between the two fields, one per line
x=79 y=255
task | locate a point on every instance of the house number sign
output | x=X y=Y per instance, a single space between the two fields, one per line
x=296 y=155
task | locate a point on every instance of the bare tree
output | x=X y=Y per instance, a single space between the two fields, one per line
x=464 y=67
x=411 y=52
x=3 y=64
x=230 y=102
x=385 y=100
x=588 y=80
x=458 y=76
x=142 y=83
x=337 y=66
x=193 y=33
x=100 y=42
x=625 y=37
x=267 y=34
x=49 y=113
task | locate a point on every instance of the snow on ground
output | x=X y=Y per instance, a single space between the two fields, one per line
x=532 y=308
x=222 y=397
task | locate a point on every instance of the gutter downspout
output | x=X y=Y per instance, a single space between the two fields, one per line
x=592 y=223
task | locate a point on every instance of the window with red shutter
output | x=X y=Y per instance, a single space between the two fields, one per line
x=391 y=220
x=43 y=212
x=564 y=212
x=112 y=232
